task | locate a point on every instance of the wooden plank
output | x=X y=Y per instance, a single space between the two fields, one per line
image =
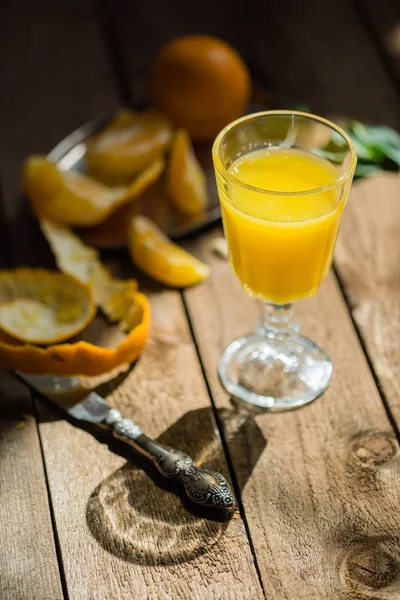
x=321 y=498
x=382 y=21
x=122 y=536
x=28 y=561
x=367 y=259
x=304 y=53
x=55 y=78
x=322 y=56
x=137 y=34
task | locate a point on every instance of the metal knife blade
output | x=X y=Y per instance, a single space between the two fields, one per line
x=64 y=390
x=202 y=486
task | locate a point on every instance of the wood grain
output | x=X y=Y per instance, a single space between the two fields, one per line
x=28 y=561
x=122 y=536
x=382 y=20
x=55 y=78
x=320 y=486
x=304 y=53
x=321 y=498
x=367 y=259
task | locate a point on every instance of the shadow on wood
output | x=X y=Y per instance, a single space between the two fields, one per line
x=15 y=398
x=133 y=513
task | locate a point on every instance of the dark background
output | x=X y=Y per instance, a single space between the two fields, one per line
x=66 y=62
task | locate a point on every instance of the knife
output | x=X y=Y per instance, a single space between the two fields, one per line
x=202 y=486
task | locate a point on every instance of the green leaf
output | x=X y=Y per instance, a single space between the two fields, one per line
x=376 y=134
x=374 y=143
x=334 y=150
x=393 y=154
x=366 y=170
x=365 y=152
x=335 y=157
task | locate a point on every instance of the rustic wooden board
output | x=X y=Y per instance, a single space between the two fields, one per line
x=310 y=53
x=321 y=498
x=367 y=259
x=319 y=485
x=55 y=78
x=382 y=21
x=122 y=536
x=28 y=561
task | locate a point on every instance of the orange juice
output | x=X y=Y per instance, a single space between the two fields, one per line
x=281 y=241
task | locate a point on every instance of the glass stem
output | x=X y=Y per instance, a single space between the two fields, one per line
x=277 y=322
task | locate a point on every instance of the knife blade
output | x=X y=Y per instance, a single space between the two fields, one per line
x=203 y=486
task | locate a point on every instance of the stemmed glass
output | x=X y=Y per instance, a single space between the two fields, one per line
x=283 y=179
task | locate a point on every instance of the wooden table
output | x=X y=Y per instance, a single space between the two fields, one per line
x=318 y=489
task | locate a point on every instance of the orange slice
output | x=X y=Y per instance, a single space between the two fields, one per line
x=43 y=307
x=160 y=258
x=129 y=144
x=76 y=199
x=186 y=181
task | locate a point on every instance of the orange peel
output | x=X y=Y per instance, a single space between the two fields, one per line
x=185 y=180
x=43 y=307
x=80 y=358
x=75 y=199
x=119 y=300
x=160 y=258
x=129 y=144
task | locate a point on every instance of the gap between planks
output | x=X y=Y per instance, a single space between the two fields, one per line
x=224 y=442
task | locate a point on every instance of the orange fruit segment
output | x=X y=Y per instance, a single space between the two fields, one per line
x=43 y=307
x=201 y=83
x=128 y=145
x=160 y=258
x=186 y=181
x=75 y=199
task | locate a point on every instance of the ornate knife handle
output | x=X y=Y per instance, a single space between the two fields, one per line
x=202 y=486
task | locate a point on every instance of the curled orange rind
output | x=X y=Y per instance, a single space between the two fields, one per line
x=129 y=144
x=119 y=300
x=43 y=307
x=75 y=199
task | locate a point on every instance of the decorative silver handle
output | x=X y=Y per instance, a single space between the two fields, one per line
x=202 y=486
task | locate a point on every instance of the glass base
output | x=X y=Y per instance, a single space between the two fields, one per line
x=275 y=374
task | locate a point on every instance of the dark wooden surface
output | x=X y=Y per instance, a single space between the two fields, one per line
x=318 y=488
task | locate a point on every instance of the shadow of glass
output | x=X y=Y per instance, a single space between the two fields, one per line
x=133 y=513
x=244 y=438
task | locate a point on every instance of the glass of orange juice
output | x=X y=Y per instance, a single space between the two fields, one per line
x=283 y=179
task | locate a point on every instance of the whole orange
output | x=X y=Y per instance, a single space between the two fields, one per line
x=201 y=83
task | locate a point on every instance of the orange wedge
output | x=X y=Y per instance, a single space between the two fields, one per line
x=129 y=144
x=43 y=307
x=73 y=198
x=186 y=181
x=160 y=258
